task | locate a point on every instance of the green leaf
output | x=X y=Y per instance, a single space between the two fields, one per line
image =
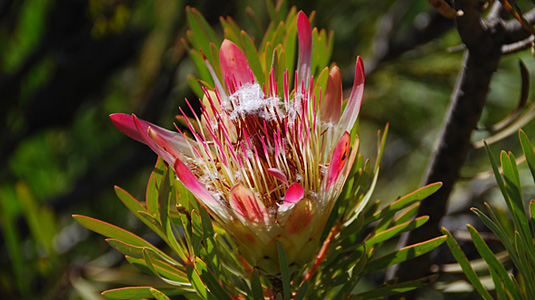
x=195 y=86
x=252 y=57
x=111 y=231
x=202 y=32
x=466 y=266
x=498 y=285
x=405 y=201
x=136 y=292
x=496 y=171
x=158 y=295
x=232 y=30
x=210 y=280
x=202 y=69
x=196 y=282
x=407 y=215
x=301 y=293
x=197 y=236
x=528 y=151
x=169 y=271
x=498 y=230
x=256 y=286
x=393 y=231
x=285 y=272
x=166 y=272
x=404 y=254
x=154 y=187
x=393 y=289
x=125 y=248
x=493 y=262
x=114 y=232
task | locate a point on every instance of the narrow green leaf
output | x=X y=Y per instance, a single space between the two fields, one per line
x=153 y=188
x=195 y=86
x=158 y=295
x=114 y=232
x=256 y=286
x=405 y=201
x=285 y=272
x=210 y=280
x=202 y=69
x=197 y=236
x=499 y=231
x=273 y=15
x=202 y=32
x=407 y=215
x=137 y=292
x=404 y=254
x=125 y=248
x=493 y=262
x=231 y=30
x=528 y=151
x=498 y=285
x=302 y=292
x=466 y=266
x=252 y=57
x=207 y=228
x=394 y=231
x=111 y=231
x=196 y=282
x=388 y=290
x=496 y=171
x=166 y=272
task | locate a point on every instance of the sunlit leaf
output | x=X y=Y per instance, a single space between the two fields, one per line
x=210 y=280
x=135 y=292
x=404 y=254
x=405 y=201
x=465 y=265
x=158 y=295
x=393 y=231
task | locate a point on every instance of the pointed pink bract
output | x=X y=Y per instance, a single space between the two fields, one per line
x=234 y=64
x=304 y=33
x=331 y=104
x=338 y=160
x=278 y=174
x=244 y=202
x=355 y=99
x=294 y=193
x=191 y=182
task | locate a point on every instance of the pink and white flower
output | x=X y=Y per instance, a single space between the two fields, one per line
x=268 y=167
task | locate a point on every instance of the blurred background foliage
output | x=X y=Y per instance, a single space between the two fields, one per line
x=65 y=65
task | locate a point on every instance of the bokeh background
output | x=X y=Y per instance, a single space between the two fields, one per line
x=65 y=65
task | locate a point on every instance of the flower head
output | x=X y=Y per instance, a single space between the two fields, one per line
x=267 y=166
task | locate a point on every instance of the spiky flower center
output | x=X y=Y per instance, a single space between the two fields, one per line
x=258 y=139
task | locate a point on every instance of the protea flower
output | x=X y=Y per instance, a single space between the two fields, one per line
x=267 y=167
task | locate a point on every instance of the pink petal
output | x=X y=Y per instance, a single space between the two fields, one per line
x=355 y=99
x=234 y=64
x=331 y=104
x=137 y=129
x=294 y=193
x=126 y=125
x=189 y=180
x=304 y=33
x=245 y=203
x=140 y=125
x=338 y=160
x=278 y=174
